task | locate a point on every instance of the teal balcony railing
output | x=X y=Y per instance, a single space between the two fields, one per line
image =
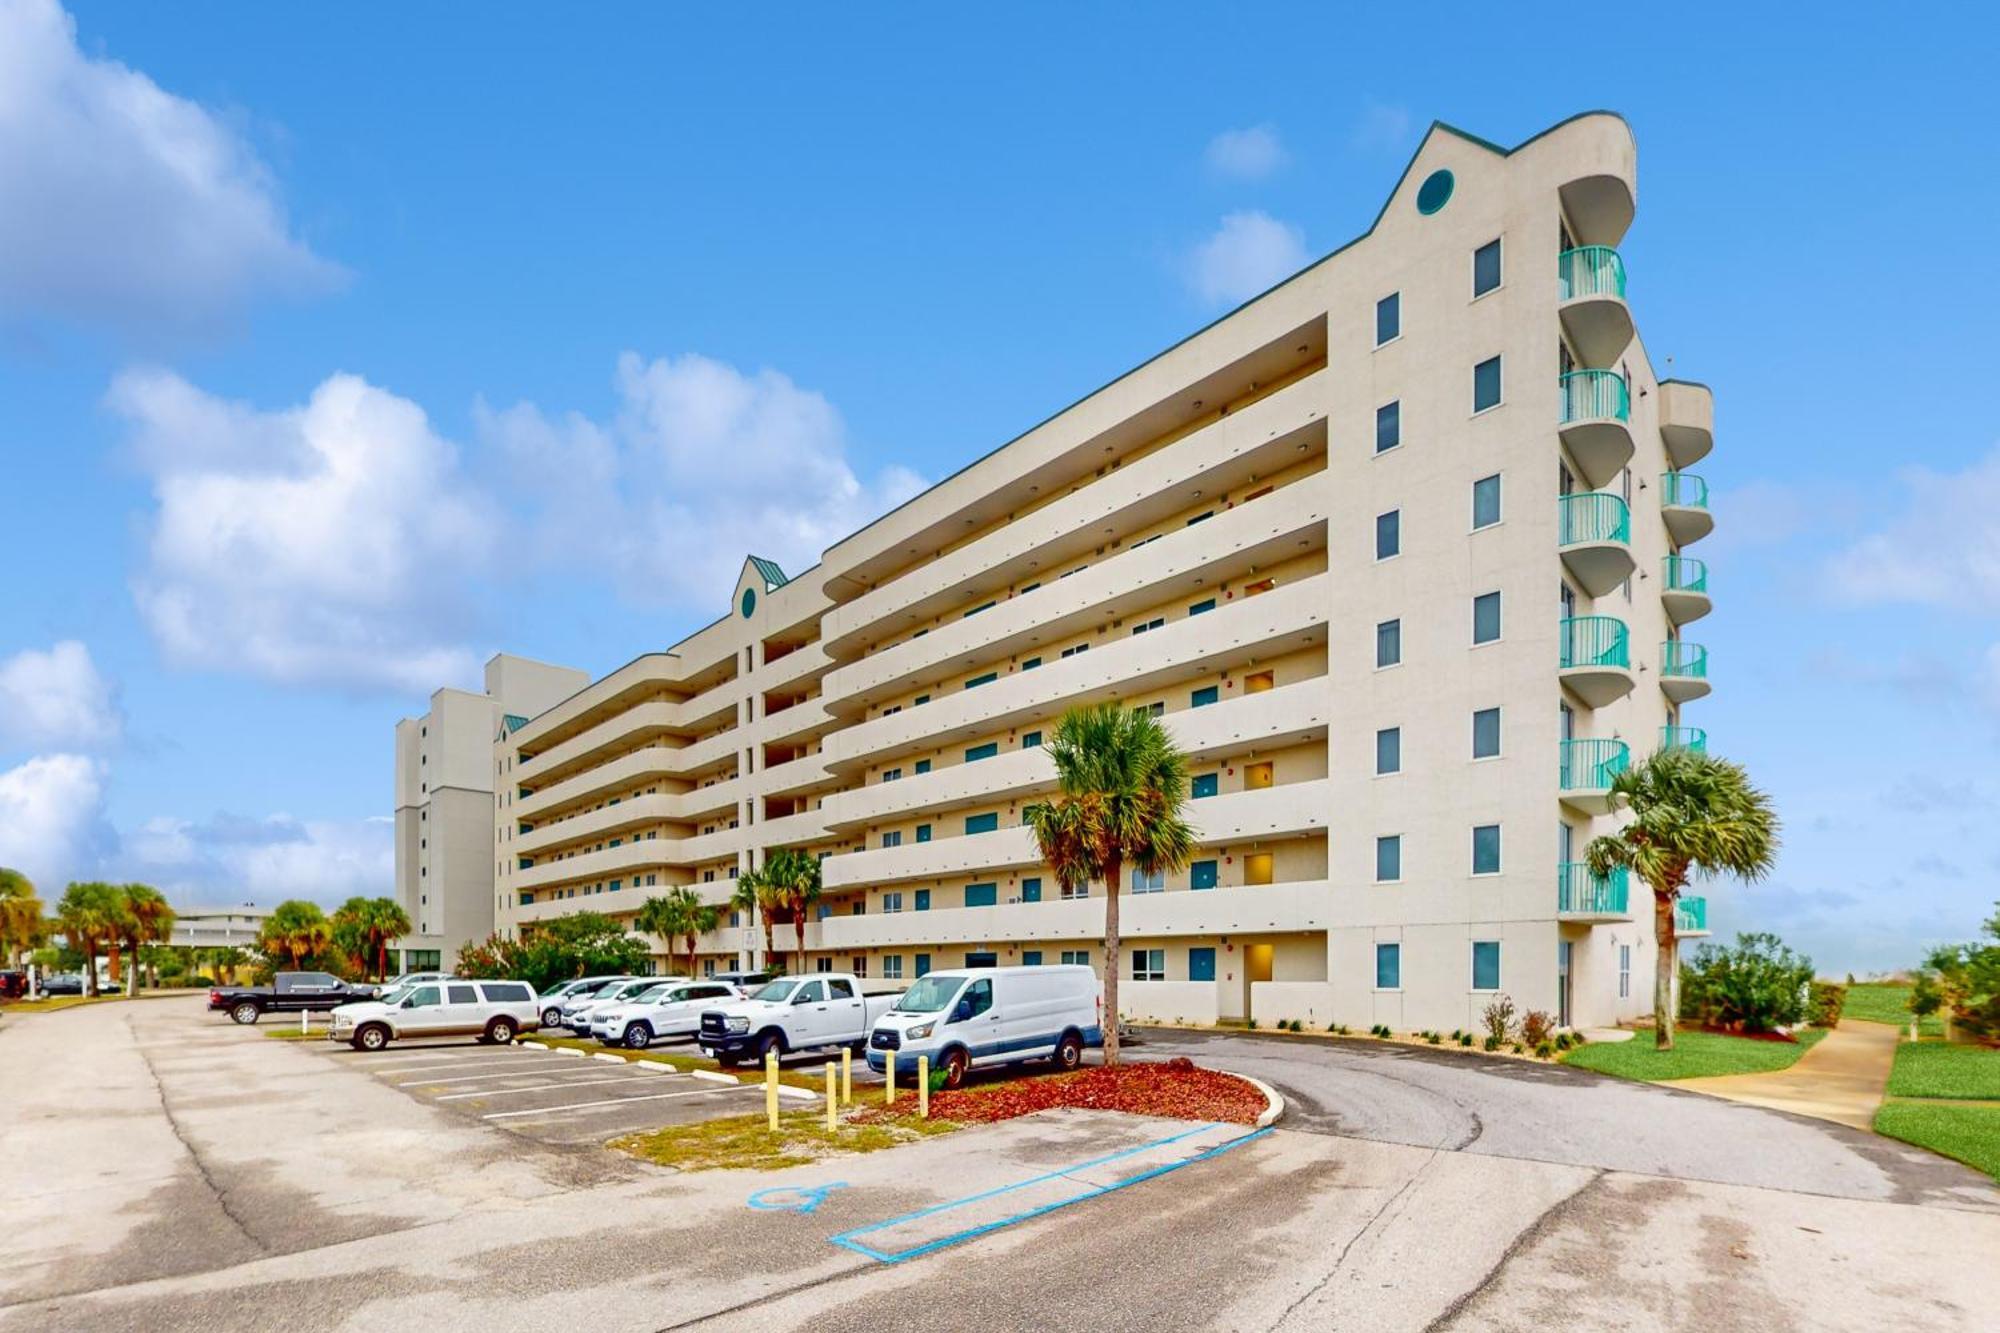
x=1690 y=914
x=1678 y=657
x=1591 y=270
x=1580 y=893
x=1593 y=395
x=1683 y=489
x=1684 y=573
x=1593 y=516
x=1590 y=765
x=1684 y=738
x=1595 y=641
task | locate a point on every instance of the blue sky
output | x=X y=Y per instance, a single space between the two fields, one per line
x=299 y=307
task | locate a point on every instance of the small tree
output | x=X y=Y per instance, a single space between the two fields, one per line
x=89 y=915
x=679 y=915
x=146 y=921
x=796 y=876
x=295 y=931
x=756 y=896
x=21 y=920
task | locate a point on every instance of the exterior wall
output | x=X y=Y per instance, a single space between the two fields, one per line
x=217 y=927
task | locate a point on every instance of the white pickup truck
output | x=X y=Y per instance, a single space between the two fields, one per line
x=793 y=1014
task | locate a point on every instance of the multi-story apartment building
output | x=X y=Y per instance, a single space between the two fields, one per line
x=444 y=804
x=1395 y=550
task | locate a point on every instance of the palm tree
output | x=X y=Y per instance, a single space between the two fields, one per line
x=796 y=875
x=147 y=919
x=296 y=929
x=20 y=916
x=1122 y=788
x=363 y=928
x=1690 y=811
x=757 y=896
x=89 y=915
x=681 y=915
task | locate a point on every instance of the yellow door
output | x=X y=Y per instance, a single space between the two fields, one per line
x=1256 y=777
x=1257 y=870
x=1259 y=682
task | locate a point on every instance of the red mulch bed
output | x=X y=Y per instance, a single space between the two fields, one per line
x=1176 y=1088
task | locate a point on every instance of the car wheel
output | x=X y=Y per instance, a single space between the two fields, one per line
x=1069 y=1051
x=373 y=1037
x=638 y=1036
x=956 y=1063
x=550 y=1017
x=501 y=1031
x=246 y=1012
x=772 y=1044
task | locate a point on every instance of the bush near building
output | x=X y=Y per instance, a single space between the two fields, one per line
x=582 y=944
x=1755 y=985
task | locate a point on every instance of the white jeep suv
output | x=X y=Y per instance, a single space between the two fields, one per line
x=493 y=1011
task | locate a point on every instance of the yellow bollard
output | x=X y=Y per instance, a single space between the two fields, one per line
x=832 y=1102
x=924 y=1087
x=771 y=1090
x=846 y=1077
x=889 y=1082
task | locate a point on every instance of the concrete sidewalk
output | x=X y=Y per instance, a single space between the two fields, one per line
x=1842 y=1079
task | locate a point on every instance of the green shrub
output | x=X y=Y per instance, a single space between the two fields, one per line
x=1577 y=1039
x=1824 y=1003
x=1518 y=1048
x=1433 y=1039
x=1465 y=1039
x=1297 y=1026
x=1492 y=1042
x=1544 y=1050
x=1498 y=1017
x=1756 y=984
x=1562 y=1041
x=1252 y=1025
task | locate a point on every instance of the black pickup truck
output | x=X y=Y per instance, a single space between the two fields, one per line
x=294 y=991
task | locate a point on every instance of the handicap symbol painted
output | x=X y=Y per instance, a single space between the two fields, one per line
x=794 y=1198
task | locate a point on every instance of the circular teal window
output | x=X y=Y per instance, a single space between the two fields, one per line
x=1435 y=192
x=749 y=602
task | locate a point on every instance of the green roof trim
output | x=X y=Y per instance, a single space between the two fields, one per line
x=774 y=577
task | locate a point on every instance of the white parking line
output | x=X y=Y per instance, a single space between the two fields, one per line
x=615 y=1101
x=533 y=1071
x=516 y=1060
x=537 y=1087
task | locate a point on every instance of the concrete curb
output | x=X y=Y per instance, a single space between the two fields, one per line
x=713 y=1077
x=787 y=1090
x=533 y=1046
x=606 y=1055
x=1274 y=1101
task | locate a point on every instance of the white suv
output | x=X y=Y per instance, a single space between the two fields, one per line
x=572 y=992
x=493 y=1011
x=576 y=1012
x=671 y=1009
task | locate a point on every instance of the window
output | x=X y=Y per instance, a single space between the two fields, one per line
x=1389 y=318
x=1151 y=710
x=977 y=609
x=1031 y=889
x=979 y=752
x=923 y=966
x=920 y=699
x=1031 y=958
x=1624 y=971
x=1201 y=875
x=1389 y=858
x=1074 y=649
x=823 y=965
x=1206 y=784
x=1486 y=849
x=981 y=895
x=1388 y=534
x=1388 y=967
x=923 y=833
x=1486 y=965
x=923 y=900
x=1486 y=617
x=1486 y=733
x=1149 y=965
x=892 y=902
x=1205 y=696
x=1389 y=643
x=1486 y=502
x=1076 y=957
x=1486 y=384
x=1388 y=426
x=842 y=989
x=1157 y=622
x=1031 y=740
x=892 y=967
x=893 y=838
x=1389 y=750
x=923 y=767
x=1030 y=663
x=463 y=995
x=892 y=775
x=1199 y=518
x=1485 y=268
x=1145 y=883
x=1202 y=607
x=985 y=823
x=986 y=679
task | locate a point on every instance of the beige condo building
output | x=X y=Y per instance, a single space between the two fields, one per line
x=1397 y=552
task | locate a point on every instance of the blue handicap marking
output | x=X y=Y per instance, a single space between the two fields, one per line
x=794 y=1198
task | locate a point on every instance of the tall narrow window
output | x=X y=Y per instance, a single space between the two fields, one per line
x=1388 y=859
x=1486 y=965
x=1486 y=733
x=1389 y=750
x=1486 y=617
x=1388 y=534
x=1486 y=384
x=1486 y=849
x=1388 y=426
x=1486 y=502
x=1389 y=643
x=1485 y=268
x=1389 y=318
x=1388 y=967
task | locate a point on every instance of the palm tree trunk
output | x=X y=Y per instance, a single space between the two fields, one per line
x=1663 y=972
x=1113 y=873
x=770 y=945
x=799 y=925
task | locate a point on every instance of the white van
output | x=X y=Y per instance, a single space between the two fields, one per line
x=990 y=1016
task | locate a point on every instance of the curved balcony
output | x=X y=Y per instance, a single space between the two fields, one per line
x=618 y=862
x=691 y=762
x=1596 y=658
x=1599 y=200
x=1684 y=588
x=1687 y=421
x=1585 y=769
x=1684 y=738
x=1684 y=506
x=1594 y=314
x=1596 y=424
x=1595 y=538
x=1690 y=916
x=1582 y=896
x=1683 y=670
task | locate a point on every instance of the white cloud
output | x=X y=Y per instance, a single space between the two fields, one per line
x=56 y=698
x=51 y=819
x=128 y=206
x=701 y=465
x=1249 y=252
x=330 y=543
x=1941 y=548
x=1383 y=127
x=1248 y=154
x=233 y=858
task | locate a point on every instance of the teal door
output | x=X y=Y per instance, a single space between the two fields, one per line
x=1201 y=964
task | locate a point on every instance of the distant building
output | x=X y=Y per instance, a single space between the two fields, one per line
x=233 y=926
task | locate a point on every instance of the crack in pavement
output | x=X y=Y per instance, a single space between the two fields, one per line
x=1526 y=1236
x=1334 y=1270
x=194 y=1154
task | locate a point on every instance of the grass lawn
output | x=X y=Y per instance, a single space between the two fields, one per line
x=747 y=1143
x=1695 y=1055
x=1886 y=1002
x=811 y=1077
x=1969 y=1133
x=1941 y=1069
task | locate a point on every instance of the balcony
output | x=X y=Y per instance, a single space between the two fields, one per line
x=1684 y=588
x=1594 y=314
x=1596 y=424
x=1683 y=670
x=1684 y=505
x=1595 y=539
x=1596 y=659
x=1690 y=916
x=1585 y=769
x=1582 y=896
x=1300 y=906
x=1684 y=738
x=1687 y=421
